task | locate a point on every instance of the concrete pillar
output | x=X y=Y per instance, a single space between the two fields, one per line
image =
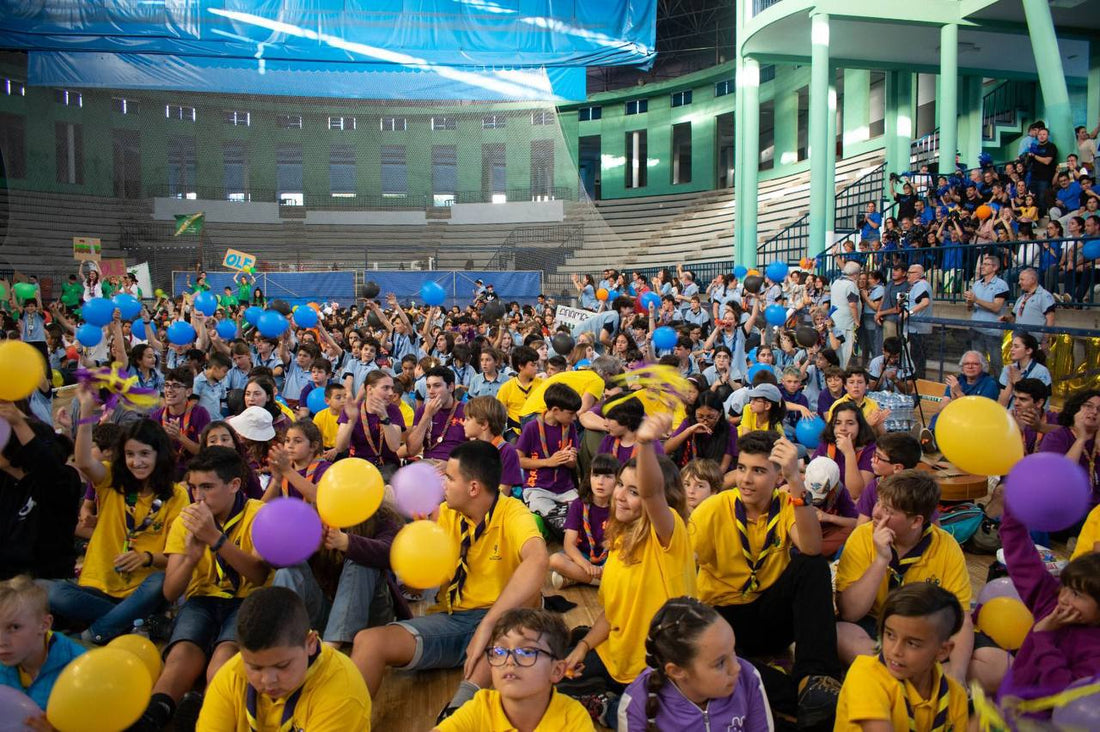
x=821 y=183
x=857 y=107
x=786 y=127
x=948 y=100
x=1093 y=105
x=748 y=161
x=1052 y=79
x=830 y=161
x=970 y=121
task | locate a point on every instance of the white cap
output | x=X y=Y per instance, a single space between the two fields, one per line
x=822 y=476
x=254 y=423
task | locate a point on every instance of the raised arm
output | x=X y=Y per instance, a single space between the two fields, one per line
x=85 y=463
x=651 y=483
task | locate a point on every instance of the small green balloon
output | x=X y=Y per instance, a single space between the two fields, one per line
x=24 y=291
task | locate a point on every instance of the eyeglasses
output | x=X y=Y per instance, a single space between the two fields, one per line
x=172 y=386
x=880 y=456
x=523 y=657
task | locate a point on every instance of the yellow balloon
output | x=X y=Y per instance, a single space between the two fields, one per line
x=349 y=492
x=21 y=370
x=979 y=436
x=1007 y=621
x=144 y=649
x=423 y=555
x=104 y=690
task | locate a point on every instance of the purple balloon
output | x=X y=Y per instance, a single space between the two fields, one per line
x=417 y=489
x=1000 y=587
x=15 y=706
x=1079 y=714
x=1048 y=491
x=5 y=433
x=286 y=532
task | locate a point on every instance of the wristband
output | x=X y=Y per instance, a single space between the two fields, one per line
x=798 y=502
x=150 y=562
x=219 y=543
x=586 y=644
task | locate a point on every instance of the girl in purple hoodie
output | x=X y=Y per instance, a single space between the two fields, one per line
x=1064 y=644
x=694 y=679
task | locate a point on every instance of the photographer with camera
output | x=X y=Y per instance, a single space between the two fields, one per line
x=869 y=223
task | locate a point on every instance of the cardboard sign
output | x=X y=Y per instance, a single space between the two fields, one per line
x=86 y=249
x=571 y=317
x=112 y=267
x=239 y=261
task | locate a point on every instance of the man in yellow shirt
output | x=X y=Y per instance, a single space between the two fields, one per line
x=211 y=560
x=589 y=383
x=514 y=392
x=502 y=565
x=283 y=675
x=743 y=540
x=899 y=546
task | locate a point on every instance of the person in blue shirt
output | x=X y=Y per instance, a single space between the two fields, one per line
x=211 y=386
x=986 y=300
x=587 y=291
x=872 y=222
x=1068 y=194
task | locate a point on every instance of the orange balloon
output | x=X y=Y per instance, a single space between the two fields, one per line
x=1007 y=621
x=983 y=212
x=752 y=272
x=601 y=294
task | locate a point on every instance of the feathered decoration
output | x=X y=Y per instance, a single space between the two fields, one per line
x=112 y=387
x=658 y=388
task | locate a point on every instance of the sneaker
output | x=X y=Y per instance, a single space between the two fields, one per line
x=817 y=697
x=558 y=581
x=187 y=712
x=447 y=711
x=928 y=441
x=599 y=706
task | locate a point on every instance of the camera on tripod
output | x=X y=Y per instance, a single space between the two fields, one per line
x=903 y=299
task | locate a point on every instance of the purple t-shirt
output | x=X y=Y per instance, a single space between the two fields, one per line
x=843 y=505
x=315 y=478
x=597 y=521
x=191 y=424
x=744 y=709
x=510 y=473
x=443 y=436
x=621 y=452
x=360 y=446
x=691 y=447
x=1060 y=441
x=863 y=456
x=530 y=443
x=825 y=400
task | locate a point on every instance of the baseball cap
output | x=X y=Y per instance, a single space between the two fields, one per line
x=766 y=391
x=822 y=476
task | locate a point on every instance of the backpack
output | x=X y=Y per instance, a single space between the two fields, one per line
x=987 y=539
x=961 y=520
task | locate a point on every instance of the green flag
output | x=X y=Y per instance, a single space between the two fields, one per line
x=189 y=223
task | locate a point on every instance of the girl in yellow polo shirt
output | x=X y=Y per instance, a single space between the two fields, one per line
x=137 y=501
x=649 y=561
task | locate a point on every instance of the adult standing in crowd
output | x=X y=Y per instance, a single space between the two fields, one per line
x=986 y=300
x=844 y=295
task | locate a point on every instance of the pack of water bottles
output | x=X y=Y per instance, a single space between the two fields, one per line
x=903 y=416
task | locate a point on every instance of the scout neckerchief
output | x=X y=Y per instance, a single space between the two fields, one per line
x=940 y=702
x=287 y=723
x=446 y=426
x=596 y=559
x=25 y=679
x=771 y=542
x=633 y=450
x=132 y=530
x=310 y=472
x=185 y=423
x=900 y=565
x=376 y=447
x=223 y=570
x=470 y=535
x=542 y=440
x=1023 y=302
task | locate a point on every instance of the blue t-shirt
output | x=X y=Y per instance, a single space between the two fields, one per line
x=871 y=232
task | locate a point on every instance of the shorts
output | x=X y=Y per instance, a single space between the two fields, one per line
x=207 y=622
x=441 y=639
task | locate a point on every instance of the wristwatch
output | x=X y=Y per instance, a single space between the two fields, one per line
x=385 y=421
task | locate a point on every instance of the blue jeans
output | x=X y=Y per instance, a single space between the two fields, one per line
x=108 y=616
x=351 y=609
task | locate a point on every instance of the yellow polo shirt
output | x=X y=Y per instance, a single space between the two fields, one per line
x=109 y=536
x=723 y=569
x=495 y=556
x=749 y=423
x=204 y=578
x=871 y=693
x=941 y=564
x=485 y=713
x=869 y=405
x=1090 y=534
x=327 y=421
x=513 y=396
x=583 y=382
x=334 y=698
x=631 y=594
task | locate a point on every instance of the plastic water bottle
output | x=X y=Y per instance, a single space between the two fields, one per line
x=140 y=629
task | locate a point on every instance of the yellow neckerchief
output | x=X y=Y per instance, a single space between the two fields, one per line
x=25 y=679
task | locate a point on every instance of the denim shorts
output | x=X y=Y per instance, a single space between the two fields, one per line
x=441 y=639
x=206 y=622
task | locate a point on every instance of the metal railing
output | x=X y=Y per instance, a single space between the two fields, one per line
x=537 y=247
x=759 y=6
x=1002 y=105
x=925 y=150
x=358 y=200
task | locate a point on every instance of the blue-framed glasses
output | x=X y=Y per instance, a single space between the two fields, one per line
x=523 y=657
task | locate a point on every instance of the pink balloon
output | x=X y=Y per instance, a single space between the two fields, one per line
x=15 y=706
x=417 y=489
x=1000 y=587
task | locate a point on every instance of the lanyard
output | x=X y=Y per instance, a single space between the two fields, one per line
x=185 y=424
x=562 y=443
x=615 y=450
x=376 y=447
x=446 y=426
x=287 y=722
x=310 y=472
x=222 y=568
x=596 y=559
x=771 y=541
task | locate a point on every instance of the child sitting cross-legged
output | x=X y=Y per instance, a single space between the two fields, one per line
x=486 y=419
x=547 y=449
x=584 y=552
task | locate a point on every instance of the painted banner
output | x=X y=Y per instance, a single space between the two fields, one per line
x=239 y=261
x=571 y=317
x=86 y=249
x=112 y=267
x=190 y=223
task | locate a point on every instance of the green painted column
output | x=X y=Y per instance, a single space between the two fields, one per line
x=1093 y=93
x=748 y=165
x=786 y=125
x=830 y=161
x=970 y=121
x=898 y=122
x=947 y=103
x=1052 y=79
x=738 y=155
x=857 y=108
x=821 y=183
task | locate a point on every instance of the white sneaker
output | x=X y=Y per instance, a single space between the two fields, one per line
x=557 y=580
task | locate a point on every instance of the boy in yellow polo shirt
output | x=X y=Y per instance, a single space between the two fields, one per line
x=326 y=420
x=212 y=560
x=899 y=546
x=856 y=382
x=906 y=687
x=514 y=392
x=283 y=675
x=743 y=540
x=526 y=656
x=502 y=565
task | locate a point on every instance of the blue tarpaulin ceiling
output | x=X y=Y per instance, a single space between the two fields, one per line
x=415 y=49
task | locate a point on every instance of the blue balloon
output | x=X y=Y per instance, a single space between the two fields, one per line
x=777 y=271
x=651 y=298
x=181 y=334
x=272 y=324
x=99 y=311
x=227 y=329
x=740 y=271
x=206 y=303
x=752 y=355
x=305 y=316
x=631 y=290
x=89 y=335
x=664 y=338
x=432 y=294
x=756 y=369
x=808 y=431
x=252 y=314
x=315 y=402
x=137 y=328
x=1091 y=250
x=612 y=294
x=775 y=314
x=582 y=364
x=128 y=306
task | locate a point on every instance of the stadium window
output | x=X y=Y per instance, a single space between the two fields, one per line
x=288 y=175
x=341 y=171
x=13 y=88
x=289 y=121
x=69 y=145
x=494 y=177
x=542 y=170
x=181 y=167
x=444 y=174
x=588 y=114
x=68 y=98
x=637 y=106
x=681 y=99
x=238 y=119
x=236 y=170
x=636 y=169
x=722 y=88
x=681 y=153
x=395 y=178
x=122 y=105
x=13 y=136
x=175 y=111
x=443 y=123
x=494 y=122
x=341 y=123
x=542 y=118
x=393 y=124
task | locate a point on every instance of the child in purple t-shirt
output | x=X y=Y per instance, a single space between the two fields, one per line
x=623 y=420
x=584 y=555
x=486 y=418
x=547 y=449
x=894 y=452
